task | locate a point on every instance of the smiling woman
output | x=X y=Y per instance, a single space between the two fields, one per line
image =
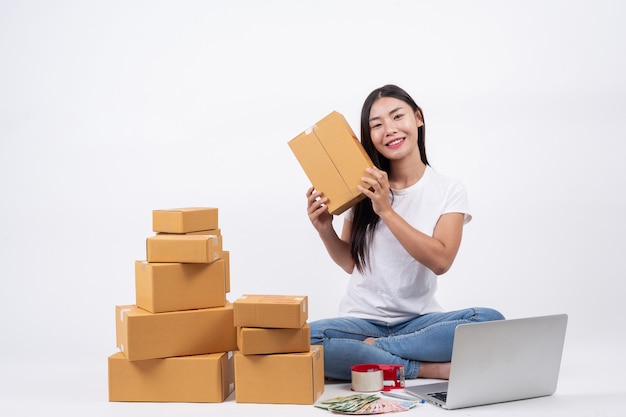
x=109 y=109
x=394 y=243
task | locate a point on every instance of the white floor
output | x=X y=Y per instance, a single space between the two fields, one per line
x=590 y=385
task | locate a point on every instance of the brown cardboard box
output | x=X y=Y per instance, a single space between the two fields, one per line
x=260 y=341
x=183 y=220
x=144 y=335
x=287 y=378
x=161 y=287
x=200 y=378
x=272 y=311
x=184 y=248
x=334 y=161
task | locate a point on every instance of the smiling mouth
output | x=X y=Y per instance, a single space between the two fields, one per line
x=394 y=143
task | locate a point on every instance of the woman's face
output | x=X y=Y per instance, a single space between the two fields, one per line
x=393 y=128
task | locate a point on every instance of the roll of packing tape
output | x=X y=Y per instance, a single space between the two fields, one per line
x=367 y=378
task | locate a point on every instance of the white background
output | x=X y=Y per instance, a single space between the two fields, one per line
x=110 y=109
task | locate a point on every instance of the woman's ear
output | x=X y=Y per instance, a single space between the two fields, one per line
x=418 y=118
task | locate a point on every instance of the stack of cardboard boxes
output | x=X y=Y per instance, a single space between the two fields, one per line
x=176 y=342
x=275 y=362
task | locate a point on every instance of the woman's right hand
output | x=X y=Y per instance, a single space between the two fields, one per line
x=322 y=220
x=317 y=210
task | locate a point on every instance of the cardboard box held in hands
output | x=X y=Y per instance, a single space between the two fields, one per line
x=334 y=161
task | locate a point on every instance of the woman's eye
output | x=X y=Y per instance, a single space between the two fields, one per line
x=398 y=116
x=377 y=125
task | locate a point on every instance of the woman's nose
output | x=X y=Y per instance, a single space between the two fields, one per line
x=390 y=128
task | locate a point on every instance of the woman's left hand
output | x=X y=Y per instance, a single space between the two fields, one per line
x=378 y=190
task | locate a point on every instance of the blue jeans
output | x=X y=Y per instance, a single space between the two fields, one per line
x=426 y=338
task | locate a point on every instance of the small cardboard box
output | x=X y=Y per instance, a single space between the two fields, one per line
x=286 y=378
x=184 y=220
x=260 y=341
x=183 y=248
x=200 y=378
x=144 y=335
x=334 y=161
x=271 y=311
x=161 y=287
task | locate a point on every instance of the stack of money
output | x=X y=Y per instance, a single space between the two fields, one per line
x=364 y=404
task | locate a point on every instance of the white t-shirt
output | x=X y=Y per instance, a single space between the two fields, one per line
x=394 y=286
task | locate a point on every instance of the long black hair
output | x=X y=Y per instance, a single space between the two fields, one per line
x=364 y=218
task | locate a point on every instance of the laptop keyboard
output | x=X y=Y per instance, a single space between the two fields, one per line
x=441 y=396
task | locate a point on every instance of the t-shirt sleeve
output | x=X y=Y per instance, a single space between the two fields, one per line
x=458 y=201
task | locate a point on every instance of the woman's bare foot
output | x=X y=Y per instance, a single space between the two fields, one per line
x=435 y=370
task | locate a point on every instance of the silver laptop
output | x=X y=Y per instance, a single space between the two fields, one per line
x=498 y=361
